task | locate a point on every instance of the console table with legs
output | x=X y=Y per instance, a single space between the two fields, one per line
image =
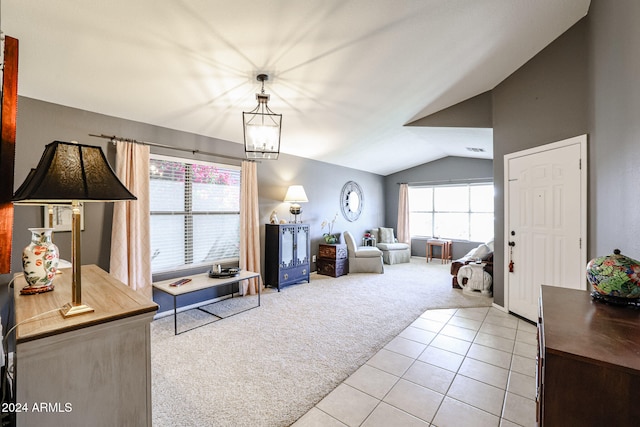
x=199 y=282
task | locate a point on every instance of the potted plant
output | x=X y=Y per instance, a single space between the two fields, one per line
x=330 y=237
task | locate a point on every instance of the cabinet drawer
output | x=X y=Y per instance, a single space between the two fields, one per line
x=295 y=274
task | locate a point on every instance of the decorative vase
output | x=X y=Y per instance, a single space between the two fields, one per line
x=39 y=262
x=615 y=278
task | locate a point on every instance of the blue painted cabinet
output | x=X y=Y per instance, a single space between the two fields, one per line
x=287 y=253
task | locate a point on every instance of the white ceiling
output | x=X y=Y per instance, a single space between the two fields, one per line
x=346 y=75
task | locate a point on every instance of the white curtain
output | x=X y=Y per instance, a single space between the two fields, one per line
x=404 y=234
x=130 y=243
x=249 y=226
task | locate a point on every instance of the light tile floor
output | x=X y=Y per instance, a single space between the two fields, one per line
x=451 y=367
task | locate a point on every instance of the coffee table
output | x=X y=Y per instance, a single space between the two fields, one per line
x=203 y=281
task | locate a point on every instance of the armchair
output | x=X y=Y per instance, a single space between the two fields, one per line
x=362 y=259
x=393 y=252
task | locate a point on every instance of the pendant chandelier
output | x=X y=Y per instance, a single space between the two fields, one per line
x=262 y=128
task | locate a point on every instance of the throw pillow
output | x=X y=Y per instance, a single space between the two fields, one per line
x=386 y=235
x=470 y=253
x=481 y=251
x=490 y=245
x=375 y=233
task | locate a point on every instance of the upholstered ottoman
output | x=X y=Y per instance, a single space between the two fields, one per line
x=395 y=253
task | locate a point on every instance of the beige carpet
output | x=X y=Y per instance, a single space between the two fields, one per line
x=270 y=365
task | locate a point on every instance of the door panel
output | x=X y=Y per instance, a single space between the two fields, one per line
x=544 y=225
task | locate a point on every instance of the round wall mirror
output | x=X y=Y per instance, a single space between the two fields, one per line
x=351 y=201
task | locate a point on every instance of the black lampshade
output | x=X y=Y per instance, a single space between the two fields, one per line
x=69 y=171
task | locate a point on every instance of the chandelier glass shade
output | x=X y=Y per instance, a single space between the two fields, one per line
x=262 y=128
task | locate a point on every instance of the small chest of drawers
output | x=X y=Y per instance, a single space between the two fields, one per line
x=332 y=260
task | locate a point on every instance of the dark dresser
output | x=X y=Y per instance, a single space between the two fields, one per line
x=287 y=248
x=588 y=371
x=332 y=260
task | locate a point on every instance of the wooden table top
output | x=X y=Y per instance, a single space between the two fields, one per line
x=201 y=281
x=434 y=241
x=577 y=326
x=110 y=298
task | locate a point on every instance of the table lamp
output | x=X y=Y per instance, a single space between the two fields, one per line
x=69 y=172
x=295 y=195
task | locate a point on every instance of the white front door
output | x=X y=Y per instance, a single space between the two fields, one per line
x=545 y=227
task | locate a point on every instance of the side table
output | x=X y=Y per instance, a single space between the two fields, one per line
x=332 y=260
x=445 y=249
x=369 y=241
x=478 y=280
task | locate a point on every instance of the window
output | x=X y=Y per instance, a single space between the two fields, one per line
x=461 y=212
x=195 y=213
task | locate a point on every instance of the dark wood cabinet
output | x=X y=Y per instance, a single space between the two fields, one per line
x=588 y=370
x=287 y=249
x=332 y=260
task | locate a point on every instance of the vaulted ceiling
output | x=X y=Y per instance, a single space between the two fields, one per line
x=348 y=76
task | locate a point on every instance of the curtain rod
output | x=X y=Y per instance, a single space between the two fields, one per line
x=449 y=181
x=114 y=138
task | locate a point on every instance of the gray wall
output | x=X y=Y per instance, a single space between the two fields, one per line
x=40 y=123
x=323 y=184
x=448 y=169
x=544 y=101
x=587 y=81
x=614 y=119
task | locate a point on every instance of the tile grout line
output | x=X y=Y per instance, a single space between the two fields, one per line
x=504 y=399
x=456 y=373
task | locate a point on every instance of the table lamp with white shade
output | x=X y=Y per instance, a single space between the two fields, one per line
x=296 y=195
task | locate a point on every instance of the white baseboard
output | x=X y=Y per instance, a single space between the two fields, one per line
x=499 y=307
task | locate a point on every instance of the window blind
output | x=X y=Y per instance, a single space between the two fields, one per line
x=195 y=213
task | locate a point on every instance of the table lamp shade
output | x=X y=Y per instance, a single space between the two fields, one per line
x=296 y=194
x=69 y=171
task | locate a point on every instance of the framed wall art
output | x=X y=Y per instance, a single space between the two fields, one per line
x=61 y=217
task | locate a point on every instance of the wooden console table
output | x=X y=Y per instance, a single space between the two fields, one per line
x=80 y=367
x=445 y=249
x=199 y=282
x=588 y=367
